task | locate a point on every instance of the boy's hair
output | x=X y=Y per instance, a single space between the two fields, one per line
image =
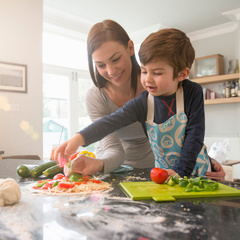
x=101 y=32
x=171 y=45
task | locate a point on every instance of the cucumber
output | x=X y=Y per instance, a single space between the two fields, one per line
x=23 y=170
x=52 y=171
x=38 y=170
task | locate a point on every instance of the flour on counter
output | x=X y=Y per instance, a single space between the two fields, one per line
x=131 y=178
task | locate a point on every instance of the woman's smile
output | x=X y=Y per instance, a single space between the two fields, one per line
x=117 y=77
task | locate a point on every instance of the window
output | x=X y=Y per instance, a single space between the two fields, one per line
x=65 y=84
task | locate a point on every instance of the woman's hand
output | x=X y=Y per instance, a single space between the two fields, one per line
x=65 y=150
x=84 y=165
x=219 y=174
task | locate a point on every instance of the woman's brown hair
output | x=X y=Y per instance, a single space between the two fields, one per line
x=104 y=31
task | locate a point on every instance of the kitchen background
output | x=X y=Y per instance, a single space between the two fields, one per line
x=49 y=37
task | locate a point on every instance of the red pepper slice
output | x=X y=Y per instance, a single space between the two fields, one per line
x=46 y=186
x=66 y=185
x=41 y=181
x=95 y=181
x=85 y=178
x=73 y=156
x=79 y=183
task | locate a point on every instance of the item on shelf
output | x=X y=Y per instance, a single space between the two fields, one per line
x=213 y=95
x=233 y=90
x=237 y=67
x=220 y=80
x=230 y=67
x=238 y=92
x=209 y=66
x=208 y=94
x=227 y=90
x=236 y=87
x=223 y=91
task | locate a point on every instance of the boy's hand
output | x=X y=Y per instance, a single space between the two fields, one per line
x=171 y=173
x=65 y=150
x=84 y=165
x=219 y=174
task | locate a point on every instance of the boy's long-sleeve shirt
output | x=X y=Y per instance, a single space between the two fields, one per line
x=164 y=108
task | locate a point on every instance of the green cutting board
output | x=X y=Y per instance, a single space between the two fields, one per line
x=164 y=192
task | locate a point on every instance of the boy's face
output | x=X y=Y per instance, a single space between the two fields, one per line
x=157 y=78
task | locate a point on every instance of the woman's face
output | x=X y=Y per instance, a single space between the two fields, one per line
x=113 y=62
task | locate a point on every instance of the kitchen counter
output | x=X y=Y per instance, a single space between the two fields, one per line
x=113 y=215
x=1 y=153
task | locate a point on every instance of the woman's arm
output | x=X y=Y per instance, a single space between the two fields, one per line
x=110 y=149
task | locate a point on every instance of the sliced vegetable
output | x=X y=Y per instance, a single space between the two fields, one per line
x=173 y=180
x=86 y=153
x=75 y=177
x=183 y=183
x=38 y=170
x=66 y=185
x=95 y=181
x=79 y=183
x=176 y=179
x=198 y=184
x=85 y=178
x=197 y=189
x=189 y=187
x=207 y=186
x=73 y=156
x=58 y=176
x=55 y=184
x=47 y=185
x=40 y=184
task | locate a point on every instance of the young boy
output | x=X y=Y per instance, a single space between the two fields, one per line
x=171 y=111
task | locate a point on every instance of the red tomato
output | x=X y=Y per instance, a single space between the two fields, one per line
x=158 y=175
x=58 y=176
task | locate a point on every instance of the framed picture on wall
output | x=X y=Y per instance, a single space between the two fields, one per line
x=209 y=66
x=13 y=77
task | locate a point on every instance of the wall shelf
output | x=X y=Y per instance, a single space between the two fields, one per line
x=222 y=100
x=218 y=79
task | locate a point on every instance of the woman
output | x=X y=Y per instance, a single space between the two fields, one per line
x=116 y=75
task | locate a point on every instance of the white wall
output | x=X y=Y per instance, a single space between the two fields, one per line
x=223 y=120
x=21 y=42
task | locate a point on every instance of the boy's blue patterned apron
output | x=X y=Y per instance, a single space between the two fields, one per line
x=167 y=139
